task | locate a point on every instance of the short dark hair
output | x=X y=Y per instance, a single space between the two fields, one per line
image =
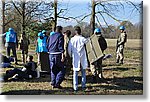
x=68 y=33
x=59 y=28
x=78 y=29
x=30 y=57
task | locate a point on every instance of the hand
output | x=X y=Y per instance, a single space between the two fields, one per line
x=62 y=59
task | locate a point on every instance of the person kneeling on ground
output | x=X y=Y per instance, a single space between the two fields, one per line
x=28 y=72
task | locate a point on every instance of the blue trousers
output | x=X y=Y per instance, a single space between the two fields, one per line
x=57 y=69
x=75 y=79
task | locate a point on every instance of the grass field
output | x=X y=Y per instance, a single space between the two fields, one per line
x=126 y=79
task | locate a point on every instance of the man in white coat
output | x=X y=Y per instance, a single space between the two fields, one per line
x=76 y=50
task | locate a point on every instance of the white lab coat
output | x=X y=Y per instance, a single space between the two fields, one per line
x=76 y=50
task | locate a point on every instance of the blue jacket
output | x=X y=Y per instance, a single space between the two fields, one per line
x=11 y=36
x=42 y=45
x=56 y=43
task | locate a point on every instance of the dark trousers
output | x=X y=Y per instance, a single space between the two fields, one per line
x=21 y=74
x=44 y=60
x=11 y=73
x=57 y=69
x=11 y=46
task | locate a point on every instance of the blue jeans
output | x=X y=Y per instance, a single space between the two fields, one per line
x=75 y=79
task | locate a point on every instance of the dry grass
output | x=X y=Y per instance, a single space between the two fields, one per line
x=119 y=79
x=131 y=43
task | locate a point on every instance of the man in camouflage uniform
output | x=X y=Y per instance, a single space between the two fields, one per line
x=120 y=45
x=96 y=68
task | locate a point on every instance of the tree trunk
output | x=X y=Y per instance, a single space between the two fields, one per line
x=3 y=16
x=55 y=15
x=23 y=17
x=93 y=17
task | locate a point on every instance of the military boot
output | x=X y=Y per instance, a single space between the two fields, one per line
x=117 y=61
x=121 y=62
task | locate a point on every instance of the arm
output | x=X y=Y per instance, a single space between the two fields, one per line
x=19 y=44
x=61 y=47
x=37 y=49
x=28 y=66
x=28 y=42
x=65 y=46
x=61 y=44
x=123 y=39
x=85 y=41
x=48 y=39
x=69 y=48
x=16 y=41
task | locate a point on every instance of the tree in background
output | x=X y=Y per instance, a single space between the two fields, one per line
x=102 y=8
x=30 y=12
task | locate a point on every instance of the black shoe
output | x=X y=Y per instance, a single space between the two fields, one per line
x=58 y=86
x=75 y=91
x=84 y=89
x=117 y=62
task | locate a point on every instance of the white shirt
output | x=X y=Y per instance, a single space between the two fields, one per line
x=76 y=50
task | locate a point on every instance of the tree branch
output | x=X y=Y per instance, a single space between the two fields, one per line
x=16 y=7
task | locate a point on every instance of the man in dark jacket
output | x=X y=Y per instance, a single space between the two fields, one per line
x=96 y=68
x=56 y=57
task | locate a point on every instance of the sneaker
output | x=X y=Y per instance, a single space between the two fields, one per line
x=53 y=87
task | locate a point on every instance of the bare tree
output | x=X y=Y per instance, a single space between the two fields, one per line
x=55 y=15
x=3 y=16
x=102 y=8
x=5 y=20
x=93 y=13
x=31 y=11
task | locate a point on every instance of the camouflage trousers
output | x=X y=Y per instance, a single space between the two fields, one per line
x=119 y=54
x=96 y=68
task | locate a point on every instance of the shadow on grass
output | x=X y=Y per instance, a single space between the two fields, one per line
x=64 y=91
x=117 y=69
x=119 y=84
x=29 y=92
x=107 y=86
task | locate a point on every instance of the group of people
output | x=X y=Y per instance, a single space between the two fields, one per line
x=64 y=52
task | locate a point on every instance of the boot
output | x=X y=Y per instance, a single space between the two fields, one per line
x=94 y=79
x=117 y=61
x=121 y=62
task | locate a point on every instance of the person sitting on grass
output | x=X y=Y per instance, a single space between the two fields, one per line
x=5 y=61
x=28 y=72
